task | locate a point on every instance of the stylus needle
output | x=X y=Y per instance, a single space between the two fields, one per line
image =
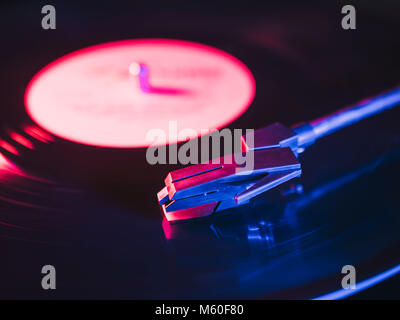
x=204 y=189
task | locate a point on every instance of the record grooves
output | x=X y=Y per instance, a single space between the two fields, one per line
x=90 y=207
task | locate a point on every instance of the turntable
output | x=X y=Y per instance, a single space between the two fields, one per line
x=76 y=189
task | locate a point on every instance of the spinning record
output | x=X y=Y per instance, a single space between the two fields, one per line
x=112 y=94
x=76 y=191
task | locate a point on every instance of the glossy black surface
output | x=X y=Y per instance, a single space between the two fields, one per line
x=98 y=222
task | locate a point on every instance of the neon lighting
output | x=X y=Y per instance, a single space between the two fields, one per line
x=8 y=147
x=38 y=134
x=347 y=116
x=92 y=96
x=21 y=140
x=343 y=293
x=3 y=162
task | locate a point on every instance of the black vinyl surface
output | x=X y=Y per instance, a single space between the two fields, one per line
x=92 y=212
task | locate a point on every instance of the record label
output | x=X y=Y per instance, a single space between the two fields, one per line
x=112 y=94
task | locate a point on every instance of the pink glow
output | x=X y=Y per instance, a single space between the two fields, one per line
x=167 y=229
x=3 y=162
x=8 y=147
x=11 y=225
x=91 y=97
x=7 y=166
x=245 y=147
x=190 y=213
x=21 y=140
x=38 y=134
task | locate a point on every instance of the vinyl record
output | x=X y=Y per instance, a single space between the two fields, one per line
x=77 y=192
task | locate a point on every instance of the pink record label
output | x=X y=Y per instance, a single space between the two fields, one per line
x=112 y=94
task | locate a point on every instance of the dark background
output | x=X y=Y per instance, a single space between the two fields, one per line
x=304 y=64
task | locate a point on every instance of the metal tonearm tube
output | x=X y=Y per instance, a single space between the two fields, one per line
x=204 y=189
